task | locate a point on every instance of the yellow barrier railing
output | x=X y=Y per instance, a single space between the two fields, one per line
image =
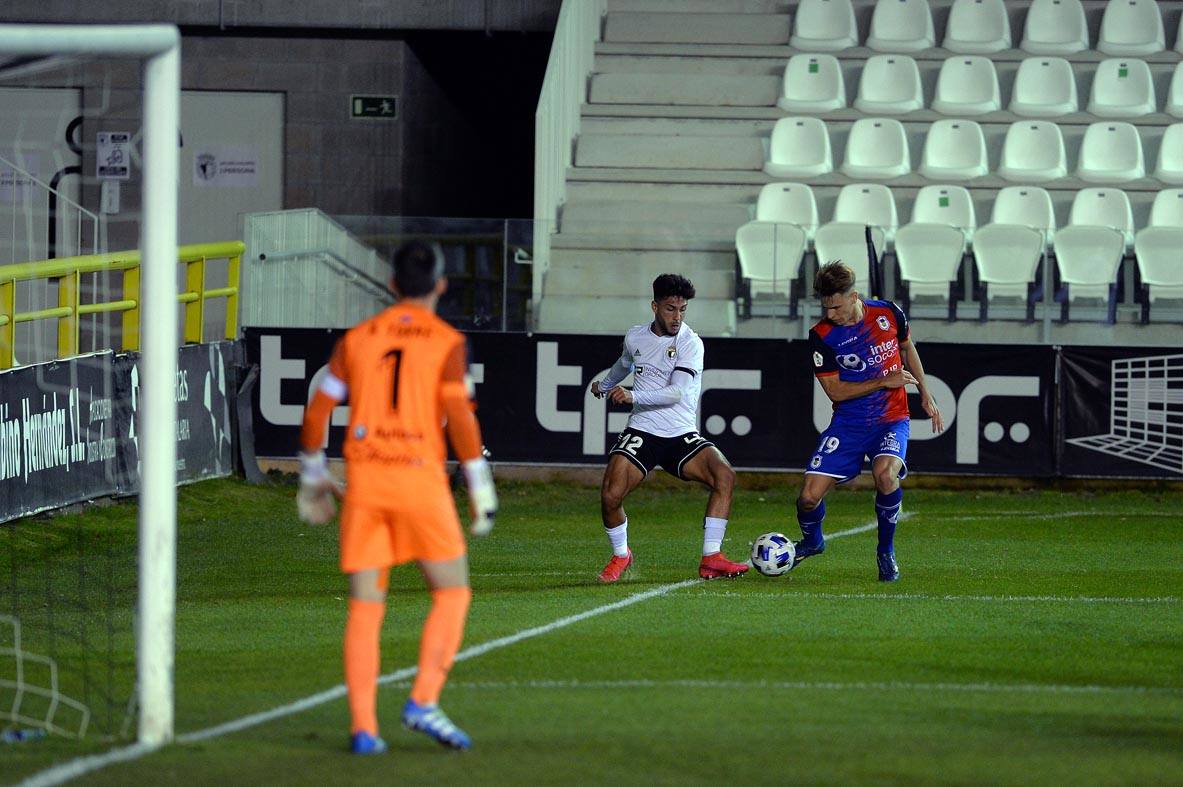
x=68 y=271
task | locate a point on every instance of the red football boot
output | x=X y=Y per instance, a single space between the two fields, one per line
x=616 y=566
x=716 y=566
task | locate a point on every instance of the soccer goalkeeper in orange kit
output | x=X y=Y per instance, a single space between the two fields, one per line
x=404 y=374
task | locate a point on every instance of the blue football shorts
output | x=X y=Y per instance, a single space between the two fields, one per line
x=844 y=445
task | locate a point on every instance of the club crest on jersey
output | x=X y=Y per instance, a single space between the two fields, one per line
x=638 y=370
x=852 y=362
x=817 y=360
x=672 y=352
x=882 y=322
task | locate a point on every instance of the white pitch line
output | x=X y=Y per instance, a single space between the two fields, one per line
x=993 y=688
x=937 y=597
x=1055 y=515
x=75 y=768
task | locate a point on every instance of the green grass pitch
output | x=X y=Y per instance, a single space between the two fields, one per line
x=1035 y=638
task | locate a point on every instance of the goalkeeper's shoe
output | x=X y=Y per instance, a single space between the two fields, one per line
x=363 y=742
x=616 y=566
x=717 y=566
x=431 y=720
x=804 y=550
x=889 y=570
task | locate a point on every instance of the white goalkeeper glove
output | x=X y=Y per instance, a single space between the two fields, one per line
x=482 y=496
x=316 y=500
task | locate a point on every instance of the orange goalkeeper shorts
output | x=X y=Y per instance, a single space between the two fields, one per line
x=376 y=536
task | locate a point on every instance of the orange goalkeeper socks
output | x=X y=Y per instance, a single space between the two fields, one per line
x=442 y=632
x=362 y=660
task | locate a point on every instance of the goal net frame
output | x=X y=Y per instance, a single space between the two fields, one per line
x=159 y=48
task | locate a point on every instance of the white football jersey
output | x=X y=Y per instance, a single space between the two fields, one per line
x=654 y=359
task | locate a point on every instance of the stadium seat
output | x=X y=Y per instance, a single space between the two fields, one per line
x=1090 y=249
x=954 y=150
x=1131 y=27
x=1044 y=87
x=1033 y=152
x=1170 y=156
x=770 y=249
x=1174 y=103
x=1157 y=250
x=901 y=26
x=799 y=148
x=1111 y=153
x=1007 y=251
x=1122 y=89
x=876 y=148
x=812 y=83
x=929 y=248
x=824 y=26
x=967 y=85
x=1055 y=27
x=859 y=205
x=889 y=85
x=977 y=27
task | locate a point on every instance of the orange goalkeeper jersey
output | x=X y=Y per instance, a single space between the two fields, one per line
x=399 y=367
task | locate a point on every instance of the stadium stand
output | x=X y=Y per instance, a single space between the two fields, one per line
x=1157 y=250
x=712 y=123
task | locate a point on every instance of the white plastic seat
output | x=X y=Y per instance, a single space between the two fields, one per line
x=1131 y=27
x=889 y=85
x=876 y=148
x=771 y=248
x=1044 y=87
x=1122 y=88
x=1090 y=249
x=812 y=83
x=977 y=27
x=1174 y=103
x=1033 y=152
x=859 y=205
x=929 y=248
x=1157 y=247
x=1055 y=27
x=901 y=26
x=1008 y=249
x=1169 y=168
x=799 y=148
x=824 y=26
x=967 y=85
x=1111 y=153
x=954 y=150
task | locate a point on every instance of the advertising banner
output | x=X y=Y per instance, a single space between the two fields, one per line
x=760 y=403
x=59 y=435
x=1121 y=412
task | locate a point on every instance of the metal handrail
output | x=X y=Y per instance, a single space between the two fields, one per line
x=68 y=270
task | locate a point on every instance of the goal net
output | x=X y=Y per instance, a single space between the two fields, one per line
x=89 y=142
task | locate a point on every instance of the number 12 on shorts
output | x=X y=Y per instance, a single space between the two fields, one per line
x=629 y=442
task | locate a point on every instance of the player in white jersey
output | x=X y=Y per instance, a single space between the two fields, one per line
x=665 y=357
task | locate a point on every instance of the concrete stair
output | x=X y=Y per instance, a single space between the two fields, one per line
x=697 y=28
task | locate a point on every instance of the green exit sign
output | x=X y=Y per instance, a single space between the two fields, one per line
x=381 y=107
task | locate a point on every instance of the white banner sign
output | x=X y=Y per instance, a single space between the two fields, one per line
x=236 y=167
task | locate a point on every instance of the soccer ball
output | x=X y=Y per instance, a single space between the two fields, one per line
x=772 y=554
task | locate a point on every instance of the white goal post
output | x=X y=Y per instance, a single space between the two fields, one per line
x=159 y=47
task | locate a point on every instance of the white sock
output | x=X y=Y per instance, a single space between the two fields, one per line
x=713 y=530
x=619 y=537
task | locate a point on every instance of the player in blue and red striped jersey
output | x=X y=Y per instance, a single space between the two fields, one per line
x=863 y=357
